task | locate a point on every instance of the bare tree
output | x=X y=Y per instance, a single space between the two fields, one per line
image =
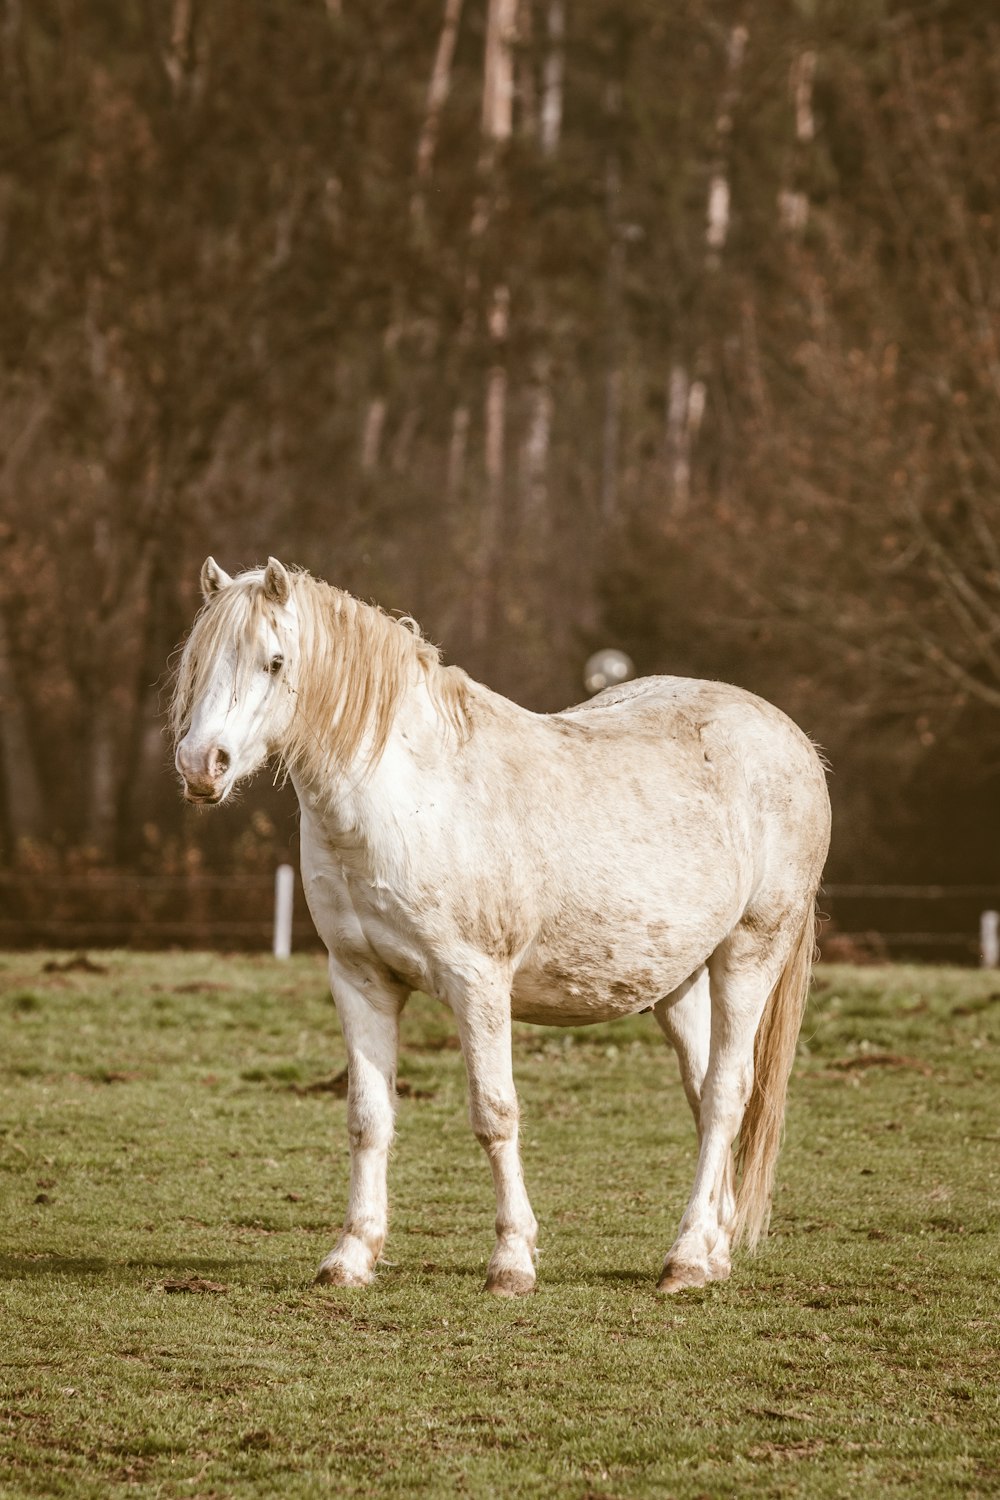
x=437 y=95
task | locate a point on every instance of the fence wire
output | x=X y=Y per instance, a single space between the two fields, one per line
x=861 y=922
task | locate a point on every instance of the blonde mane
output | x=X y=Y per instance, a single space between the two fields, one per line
x=354 y=665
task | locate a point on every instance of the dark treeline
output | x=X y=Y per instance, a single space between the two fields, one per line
x=555 y=323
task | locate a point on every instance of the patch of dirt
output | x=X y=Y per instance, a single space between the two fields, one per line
x=778 y=1416
x=449 y=1043
x=191 y=1284
x=132 y=1473
x=200 y=987
x=862 y=1060
x=337 y=1083
x=258 y=1439
x=405 y=1090
x=976 y=1007
x=80 y=963
x=777 y=1452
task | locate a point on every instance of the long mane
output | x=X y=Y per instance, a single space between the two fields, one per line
x=355 y=663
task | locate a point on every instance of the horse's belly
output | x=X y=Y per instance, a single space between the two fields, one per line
x=548 y=992
x=599 y=962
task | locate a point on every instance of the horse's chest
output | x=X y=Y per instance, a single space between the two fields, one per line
x=359 y=919
x=387 y=936
x=389 y=931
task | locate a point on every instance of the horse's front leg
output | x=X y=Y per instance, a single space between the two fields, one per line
x=485 y=1031
x=370 y=1023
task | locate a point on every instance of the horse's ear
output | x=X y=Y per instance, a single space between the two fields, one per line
x=213 y=578
x=277 y=584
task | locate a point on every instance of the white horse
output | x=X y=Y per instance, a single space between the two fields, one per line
x=658 y=848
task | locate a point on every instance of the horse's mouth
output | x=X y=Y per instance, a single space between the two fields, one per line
x=202 y=799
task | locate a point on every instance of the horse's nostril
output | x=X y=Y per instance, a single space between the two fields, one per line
x=220 y=761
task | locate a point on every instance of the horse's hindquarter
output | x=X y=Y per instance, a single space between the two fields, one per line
x=679 y=804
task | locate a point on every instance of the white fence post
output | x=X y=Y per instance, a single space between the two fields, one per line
x=284 y=891
x=989 y=939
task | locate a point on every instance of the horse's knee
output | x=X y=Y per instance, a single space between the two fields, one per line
x=370 y=1123
x=726 y=1092
x=494 y=1118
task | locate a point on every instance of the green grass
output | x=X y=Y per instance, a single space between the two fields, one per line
x=158 y=1132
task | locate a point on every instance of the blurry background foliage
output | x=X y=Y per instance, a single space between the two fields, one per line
x=556 y=323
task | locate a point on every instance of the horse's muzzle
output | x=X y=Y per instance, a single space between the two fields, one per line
x=200 y=798
x=204 y=772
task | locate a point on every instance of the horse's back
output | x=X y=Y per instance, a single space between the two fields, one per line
x=675 y=706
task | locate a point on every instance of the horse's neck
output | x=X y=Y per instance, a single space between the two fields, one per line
x=359 y=807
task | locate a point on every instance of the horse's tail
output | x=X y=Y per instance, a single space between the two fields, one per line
x=764 y=1117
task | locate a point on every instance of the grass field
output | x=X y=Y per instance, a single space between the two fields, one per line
x=171 y=1174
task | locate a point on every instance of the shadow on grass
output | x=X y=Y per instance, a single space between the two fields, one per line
x=549 y=1278
x=634 y=1278
x=21 y=1267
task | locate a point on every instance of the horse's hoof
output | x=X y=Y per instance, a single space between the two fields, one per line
x=339 y=1276
x=681 y=1279
x=719 y=1267
x=510 y=1283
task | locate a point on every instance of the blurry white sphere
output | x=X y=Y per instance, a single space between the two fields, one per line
x=607 y=668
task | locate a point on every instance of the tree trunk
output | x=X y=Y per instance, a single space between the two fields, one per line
x=180 y=60
x=496 y=409
x=614 y=281
x=13 y=62
x=371 y=437
x=793 y=203
x=497 y=123
x=552 y=81
x=686 y=398
x=717 y=226
x=498 y=70
x=685 y=408
x=437 y=94
x=527 y=92
x=535 y=483
x=457 y=448
x=102 y=782
x=22 y=784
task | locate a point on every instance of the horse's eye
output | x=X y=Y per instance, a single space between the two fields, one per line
x=275 y=665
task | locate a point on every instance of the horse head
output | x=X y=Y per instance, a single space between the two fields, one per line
x=234 y=695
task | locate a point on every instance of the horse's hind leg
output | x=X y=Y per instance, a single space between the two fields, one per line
x=742 y=973
x=685 y=1018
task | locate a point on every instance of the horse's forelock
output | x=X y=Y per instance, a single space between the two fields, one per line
x=356 y=664
x=230 y=617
